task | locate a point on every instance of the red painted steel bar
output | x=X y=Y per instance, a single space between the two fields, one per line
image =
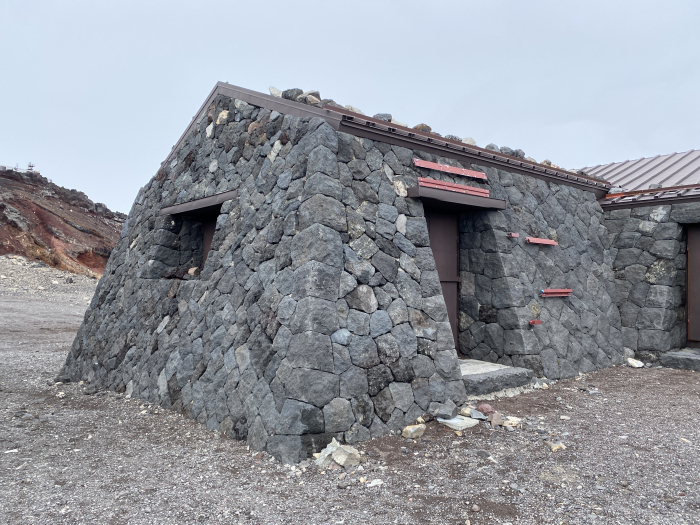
x=449 y=186
x=535 y=240
x=513 y=235
x=449 y=169
x=557 y=292
x=535 y=322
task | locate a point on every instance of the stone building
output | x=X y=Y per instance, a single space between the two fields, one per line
x=653 y=216
x=297 y=271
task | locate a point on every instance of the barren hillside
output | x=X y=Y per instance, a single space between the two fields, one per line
x=60 y=227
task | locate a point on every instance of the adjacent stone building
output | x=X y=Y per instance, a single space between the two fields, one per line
x=296 y=271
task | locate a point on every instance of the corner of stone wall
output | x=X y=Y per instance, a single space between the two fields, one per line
x=650 y=275
x=318 y=312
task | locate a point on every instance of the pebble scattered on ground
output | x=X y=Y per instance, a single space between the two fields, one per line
x=617 y=446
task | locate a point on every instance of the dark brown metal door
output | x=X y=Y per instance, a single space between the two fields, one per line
x=443 y=229
x=693 y=302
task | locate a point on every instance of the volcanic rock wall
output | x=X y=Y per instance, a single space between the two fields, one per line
x=502 y=278
x=303 y=324
x=650 y=275
x=319 y=311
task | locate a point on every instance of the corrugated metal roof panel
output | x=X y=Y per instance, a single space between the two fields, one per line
x=675 y=169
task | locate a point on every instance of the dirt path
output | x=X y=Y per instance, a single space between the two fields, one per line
x=632 y=453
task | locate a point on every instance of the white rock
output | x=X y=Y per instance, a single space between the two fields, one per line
x=400 y=188
x=512 y=421
x=374 y=483
x=469 y=140
x=275 y=92
x=223 y=117
x=3 y=277
x=343 y=455
x=634 y=363
x=459 y=422
x=274 y=151
x=213 y=166
x=163 y=324
x=401 y=224
x=210 y=130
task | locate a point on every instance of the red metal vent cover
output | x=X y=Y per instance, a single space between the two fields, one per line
x=449 y=186
x=449 y=169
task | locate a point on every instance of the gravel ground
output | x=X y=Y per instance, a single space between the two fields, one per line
x=632 y=451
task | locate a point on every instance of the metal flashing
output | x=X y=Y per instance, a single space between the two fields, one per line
x=200 y=205
x=652 y=197
x=456 y=199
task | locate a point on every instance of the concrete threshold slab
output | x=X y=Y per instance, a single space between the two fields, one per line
x=686 y=359
x=481 y=377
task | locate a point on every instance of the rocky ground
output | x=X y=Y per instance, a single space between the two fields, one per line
x=66 y=456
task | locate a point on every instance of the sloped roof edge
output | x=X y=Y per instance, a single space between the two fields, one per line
x=670 y=170
x=356 y=124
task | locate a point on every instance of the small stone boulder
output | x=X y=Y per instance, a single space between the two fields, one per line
x=413 y=431
x=343 y=455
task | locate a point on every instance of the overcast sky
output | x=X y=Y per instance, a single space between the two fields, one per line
x=96 y=93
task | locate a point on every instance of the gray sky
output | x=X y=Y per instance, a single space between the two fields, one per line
x=96 y=93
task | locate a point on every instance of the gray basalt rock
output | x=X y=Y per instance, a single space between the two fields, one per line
x=380 y=323
x=338 y=415
x=298 y=418
x=311 y=350
x=317 y=243
x=314 y=314
x=362 y=298
x=316 y=279
x=363 y=351
x=312 y=386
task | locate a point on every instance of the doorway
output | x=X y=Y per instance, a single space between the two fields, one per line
x=693 y=286
x=443 y=230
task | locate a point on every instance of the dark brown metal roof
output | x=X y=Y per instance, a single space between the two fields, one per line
x=200 y=205
x=359 y=125
x=676 y=169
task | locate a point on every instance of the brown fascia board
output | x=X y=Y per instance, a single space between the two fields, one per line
x=200 y=205
x=451 y=197
x=346 y=121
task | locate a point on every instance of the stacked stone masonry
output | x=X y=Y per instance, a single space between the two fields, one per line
x=650 y=275
x=502 y=279
x=319 y=312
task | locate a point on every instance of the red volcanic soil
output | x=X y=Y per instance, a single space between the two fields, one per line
x=49 y=223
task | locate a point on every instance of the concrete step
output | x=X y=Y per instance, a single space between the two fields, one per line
x=481 y=377
x=686 y=359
